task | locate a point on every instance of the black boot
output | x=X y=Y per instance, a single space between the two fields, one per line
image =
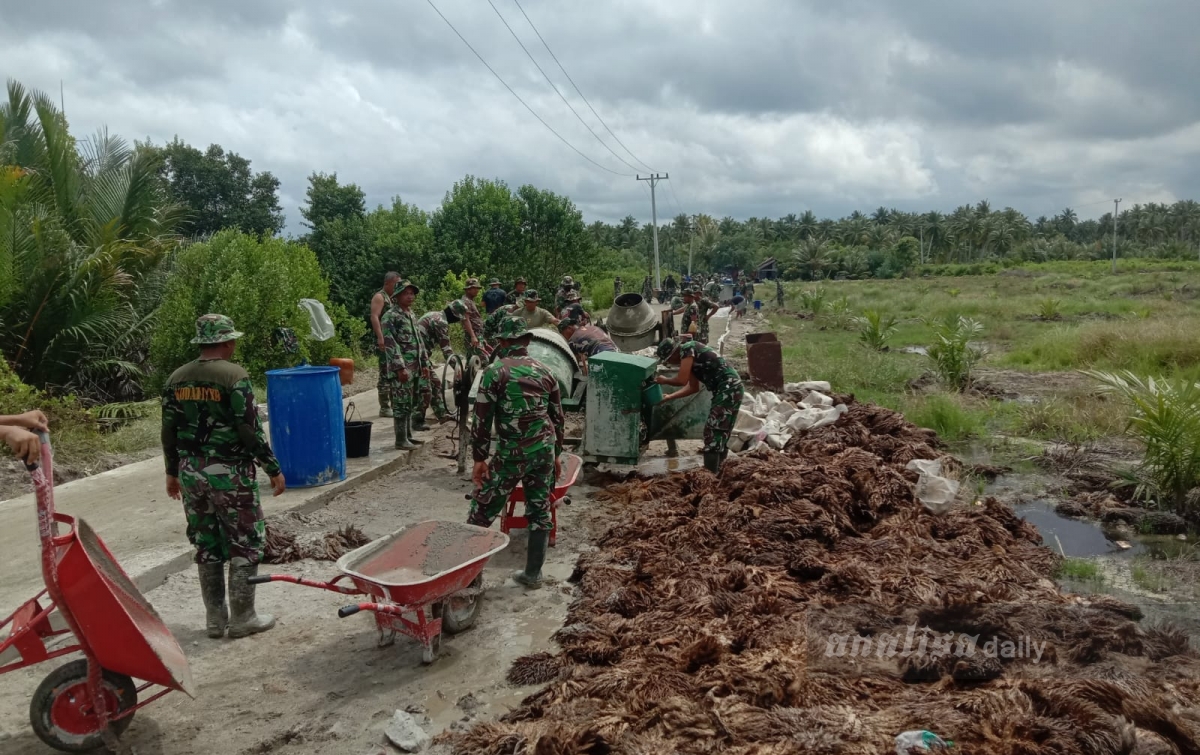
x=244 y=620
x=712 y=461
x=412 y=429
x=419 y=424
x=212 y=589
x=400 y=425
x=539 y=540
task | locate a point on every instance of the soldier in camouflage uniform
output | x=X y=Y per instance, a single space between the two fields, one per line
x=616 y=287
x=714 y=289
x=211 y=438
x=648 y=289
x=698 y=364
x=691 y=314
x=491 y=326
x=464 y=309
x=779 y=293
x=434 y=332
x=518 y=292
x=585 y=340
x=705 y=307
x=383 y=300
x=564 y=292
x=405 y=358
x=520 y=398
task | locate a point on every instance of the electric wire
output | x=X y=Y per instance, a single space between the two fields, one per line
x=556 y=89
x=519 y=99
x=577 y=90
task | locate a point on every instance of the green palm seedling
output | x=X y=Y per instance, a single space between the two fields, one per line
x=875 y=329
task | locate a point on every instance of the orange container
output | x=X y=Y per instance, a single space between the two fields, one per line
x=347 y=369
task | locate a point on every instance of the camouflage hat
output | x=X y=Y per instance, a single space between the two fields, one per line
x=521 y=280
x=572 y=296
x=531 y=295
x=676 y=302
x=568 y=280
x=666 y=348
x=403 y=284
x=494 y=282
x=512 y=328
x=472 y=283
x=569 y=322
x=212 y=329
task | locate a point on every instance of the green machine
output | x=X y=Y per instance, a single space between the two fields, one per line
x=624 y=410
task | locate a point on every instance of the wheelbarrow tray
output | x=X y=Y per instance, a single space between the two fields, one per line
x=571 y=466
x=124 y=631
x=422 y=563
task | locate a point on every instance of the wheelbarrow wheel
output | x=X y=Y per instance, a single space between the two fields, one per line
x=61 y=712
x=460 y=611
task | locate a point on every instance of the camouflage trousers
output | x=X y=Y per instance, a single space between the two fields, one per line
x=430 y=393
x=721 y=419
x=702 y=332
x=224 y=519
x=536 y=475
x=403 y=395
x=382 y=385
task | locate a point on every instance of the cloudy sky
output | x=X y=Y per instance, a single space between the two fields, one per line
x=754 y=107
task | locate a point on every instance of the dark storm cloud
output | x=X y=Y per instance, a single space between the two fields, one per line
x=756 y=107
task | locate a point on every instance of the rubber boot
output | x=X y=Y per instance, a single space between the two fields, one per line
x=244 y=621
x=401 y=428
x=412 y=430
x=385 y=403
x=419 y=424
x=712 y=461
x=534 y=558
x=212 y=589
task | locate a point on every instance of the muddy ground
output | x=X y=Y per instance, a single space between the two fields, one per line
x=317 y=683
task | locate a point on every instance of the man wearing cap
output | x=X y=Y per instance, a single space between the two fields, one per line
x=573 y=307
x=494 y=297
x=699 y=363
x=585 y=340
x=517 y=293
x=705 y=309
x=565 y=289
x=383 y=300
x=714 y=289
x=521 y=399
x=464 y=309
x=616 y=287
x=533 y=315
x=491 y=326
x=211 y=439
x=434 y=332
x=405 y=360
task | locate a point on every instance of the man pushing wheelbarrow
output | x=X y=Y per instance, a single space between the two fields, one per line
x=521 y=398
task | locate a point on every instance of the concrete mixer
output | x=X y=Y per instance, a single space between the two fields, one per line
x=633 y=324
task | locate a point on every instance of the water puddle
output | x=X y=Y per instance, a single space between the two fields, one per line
x=1073 y=538
x=918 y=350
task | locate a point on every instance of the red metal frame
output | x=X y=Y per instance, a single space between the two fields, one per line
x=30 y=623
x=510 y=521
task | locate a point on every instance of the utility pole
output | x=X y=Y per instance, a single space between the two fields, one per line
x=654 y=178
x=691 y=245
x=1116 y=206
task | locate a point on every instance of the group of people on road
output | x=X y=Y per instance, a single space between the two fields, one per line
x=213 y=440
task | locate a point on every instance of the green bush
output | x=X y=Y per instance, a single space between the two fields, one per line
x=952 y=353
x=259 y=284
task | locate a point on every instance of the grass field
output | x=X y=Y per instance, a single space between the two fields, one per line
x=1040 y=325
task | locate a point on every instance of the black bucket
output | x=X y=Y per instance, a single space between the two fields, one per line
x=358 y=435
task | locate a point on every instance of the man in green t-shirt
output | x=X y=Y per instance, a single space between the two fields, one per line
x=533 y=315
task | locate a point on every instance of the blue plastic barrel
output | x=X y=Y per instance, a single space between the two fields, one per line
x=758 y=304
x=304 y=408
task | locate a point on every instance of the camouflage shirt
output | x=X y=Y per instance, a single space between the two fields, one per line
x=589 y=340
x=691 y=314
x=208 y=411
x=465 y=309
x=401 y=341
x=491 y=327
x=713 y=290
x=575 y=311
x=709 y=368
x=514 y=296
x=560 y=296
x=521 y=398
x=435 y=334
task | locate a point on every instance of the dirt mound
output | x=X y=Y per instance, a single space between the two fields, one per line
x=803 y=602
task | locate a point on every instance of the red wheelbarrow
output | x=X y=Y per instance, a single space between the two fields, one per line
x=426 y=578
x=88 y=702
x=509 y=521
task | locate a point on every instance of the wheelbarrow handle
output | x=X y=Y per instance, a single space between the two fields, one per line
x=260 y=579
x=345 y=611
x=43 y=438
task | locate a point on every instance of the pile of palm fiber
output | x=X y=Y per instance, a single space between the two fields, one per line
x=705 y=619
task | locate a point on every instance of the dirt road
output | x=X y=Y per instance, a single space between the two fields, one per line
x=317 y=683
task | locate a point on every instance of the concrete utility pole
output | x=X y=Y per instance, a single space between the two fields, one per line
x=1116 y=206
x=691 y=245
x=654 y=178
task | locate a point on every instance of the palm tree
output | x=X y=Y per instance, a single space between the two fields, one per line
x=808 y=224
x=83 y=229
x=812 y=255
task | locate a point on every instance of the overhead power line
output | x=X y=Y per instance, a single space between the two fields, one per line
x=519 y=99
x=556 y=89
x=577 y=90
